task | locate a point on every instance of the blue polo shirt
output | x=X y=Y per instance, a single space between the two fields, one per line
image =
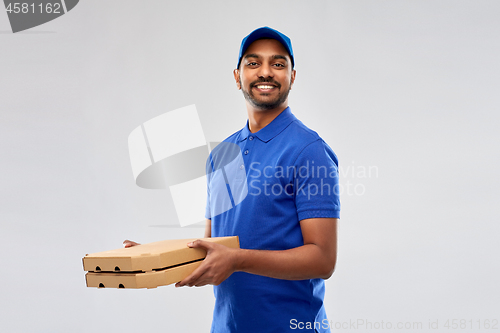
x=291 y=175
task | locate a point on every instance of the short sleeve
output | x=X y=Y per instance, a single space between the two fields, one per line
x=316 y=182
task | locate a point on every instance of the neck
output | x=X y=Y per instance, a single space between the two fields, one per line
x=258 y=119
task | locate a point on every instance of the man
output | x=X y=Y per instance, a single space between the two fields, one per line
x=287 y=224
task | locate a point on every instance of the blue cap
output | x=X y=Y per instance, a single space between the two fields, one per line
x=265 y=32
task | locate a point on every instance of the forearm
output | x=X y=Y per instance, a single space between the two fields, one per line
x=304 y=262
x=208 y=228
x=315 y=259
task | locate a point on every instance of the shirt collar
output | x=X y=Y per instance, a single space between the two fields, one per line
x=272 y=129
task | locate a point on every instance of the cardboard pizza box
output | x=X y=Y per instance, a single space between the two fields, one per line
x=147 y=265
x=148 y=280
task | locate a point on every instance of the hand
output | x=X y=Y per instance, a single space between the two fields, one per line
x=218 y=265
x=129 y=243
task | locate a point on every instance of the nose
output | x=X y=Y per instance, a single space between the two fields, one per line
x=265 y=71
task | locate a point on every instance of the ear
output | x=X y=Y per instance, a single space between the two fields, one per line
x=236 y=74
x=292 y=79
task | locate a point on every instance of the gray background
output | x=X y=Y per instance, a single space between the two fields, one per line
x=408 y=87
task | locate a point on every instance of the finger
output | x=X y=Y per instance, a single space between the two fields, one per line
x=129 y=243
x=200 y=243
x=191 y=280
x=193 y=277
x=201 y=280
x=202 y=283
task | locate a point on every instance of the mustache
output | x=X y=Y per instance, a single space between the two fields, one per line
x=265 y=81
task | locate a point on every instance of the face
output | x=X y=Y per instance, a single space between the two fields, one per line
x=265 y=75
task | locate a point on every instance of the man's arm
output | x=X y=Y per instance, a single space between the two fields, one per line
x=208 y=228
x=315 y=259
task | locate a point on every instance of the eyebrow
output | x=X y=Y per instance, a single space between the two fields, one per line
x=279 y=56
x=276 y=56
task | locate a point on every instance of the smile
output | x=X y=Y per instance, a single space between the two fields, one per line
x=264 y=87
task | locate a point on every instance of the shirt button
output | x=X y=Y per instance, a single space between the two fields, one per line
x=242 y=166
x=250 y=138
x=246 y=152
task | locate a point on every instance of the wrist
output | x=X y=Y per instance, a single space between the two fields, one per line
x=238 y=255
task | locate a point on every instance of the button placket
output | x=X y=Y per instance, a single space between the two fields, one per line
x=249 y=145
x=250 y=142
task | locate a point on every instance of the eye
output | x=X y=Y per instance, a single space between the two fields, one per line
x=279 y=65
x=252 y=63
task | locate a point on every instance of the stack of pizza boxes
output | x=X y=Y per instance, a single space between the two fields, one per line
x=147 y=265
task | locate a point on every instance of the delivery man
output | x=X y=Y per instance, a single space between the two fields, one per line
x=287 y=224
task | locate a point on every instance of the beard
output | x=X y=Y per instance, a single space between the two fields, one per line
x=265 y=104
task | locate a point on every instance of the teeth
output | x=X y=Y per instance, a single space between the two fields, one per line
x=265 y=87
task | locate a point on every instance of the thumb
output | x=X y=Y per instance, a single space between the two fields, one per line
x=200 y=243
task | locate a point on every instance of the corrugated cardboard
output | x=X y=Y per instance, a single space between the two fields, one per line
x=140 y=280
x=147 y=265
